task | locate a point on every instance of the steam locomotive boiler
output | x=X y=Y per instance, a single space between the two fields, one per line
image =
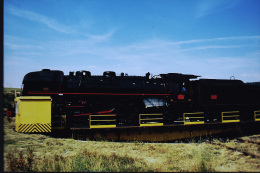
x=51 y=100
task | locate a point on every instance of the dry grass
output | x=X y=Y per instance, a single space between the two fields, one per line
x=69 y=155
x=245 y=147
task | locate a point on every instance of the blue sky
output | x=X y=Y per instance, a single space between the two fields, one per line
x=210 y=38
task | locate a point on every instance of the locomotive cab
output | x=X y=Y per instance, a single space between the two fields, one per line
x=178 y=86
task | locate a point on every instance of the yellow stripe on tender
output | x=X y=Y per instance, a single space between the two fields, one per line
x=195 y=122
x=154 y=124
x=102 y=126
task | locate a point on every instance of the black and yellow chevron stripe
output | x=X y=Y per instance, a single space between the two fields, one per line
x=31 y=128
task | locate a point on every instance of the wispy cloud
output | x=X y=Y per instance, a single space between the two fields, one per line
x=51 y=23
x=21 y=46
x=216 y=47
x=56 y=25
x=216 y=39
x=153 y=47
x=100 y=38
x=208 y=7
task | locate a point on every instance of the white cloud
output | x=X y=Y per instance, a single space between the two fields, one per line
x=52 y=23
x=216 y=39
x=100 y=38
x=215 y=47
x=21 y=46
x=56 y=25
x=208 y=7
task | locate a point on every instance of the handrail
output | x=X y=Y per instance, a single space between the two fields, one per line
x=192 y=117
x=230 y=118
x=150 y=121
x=102 y=120
x=257 y=115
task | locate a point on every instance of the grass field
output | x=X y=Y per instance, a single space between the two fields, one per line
x=37 y=152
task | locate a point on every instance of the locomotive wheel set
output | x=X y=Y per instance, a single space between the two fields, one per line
x=146 y=108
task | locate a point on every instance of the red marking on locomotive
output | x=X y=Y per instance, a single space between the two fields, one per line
x=104 y=112
x=180 y=97
x=214 y=97
x=82 y=114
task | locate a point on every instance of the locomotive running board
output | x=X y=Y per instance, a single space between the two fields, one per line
x=196 y=117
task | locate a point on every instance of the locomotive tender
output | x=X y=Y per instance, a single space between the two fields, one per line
x=51 y=100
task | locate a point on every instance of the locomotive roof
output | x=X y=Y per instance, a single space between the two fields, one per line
x=178 y=76
x=220 y=82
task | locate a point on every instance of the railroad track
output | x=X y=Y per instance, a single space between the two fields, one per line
x=247 y=141
x=245 y=153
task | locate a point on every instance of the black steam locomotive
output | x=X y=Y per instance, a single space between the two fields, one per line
x=109 y=100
